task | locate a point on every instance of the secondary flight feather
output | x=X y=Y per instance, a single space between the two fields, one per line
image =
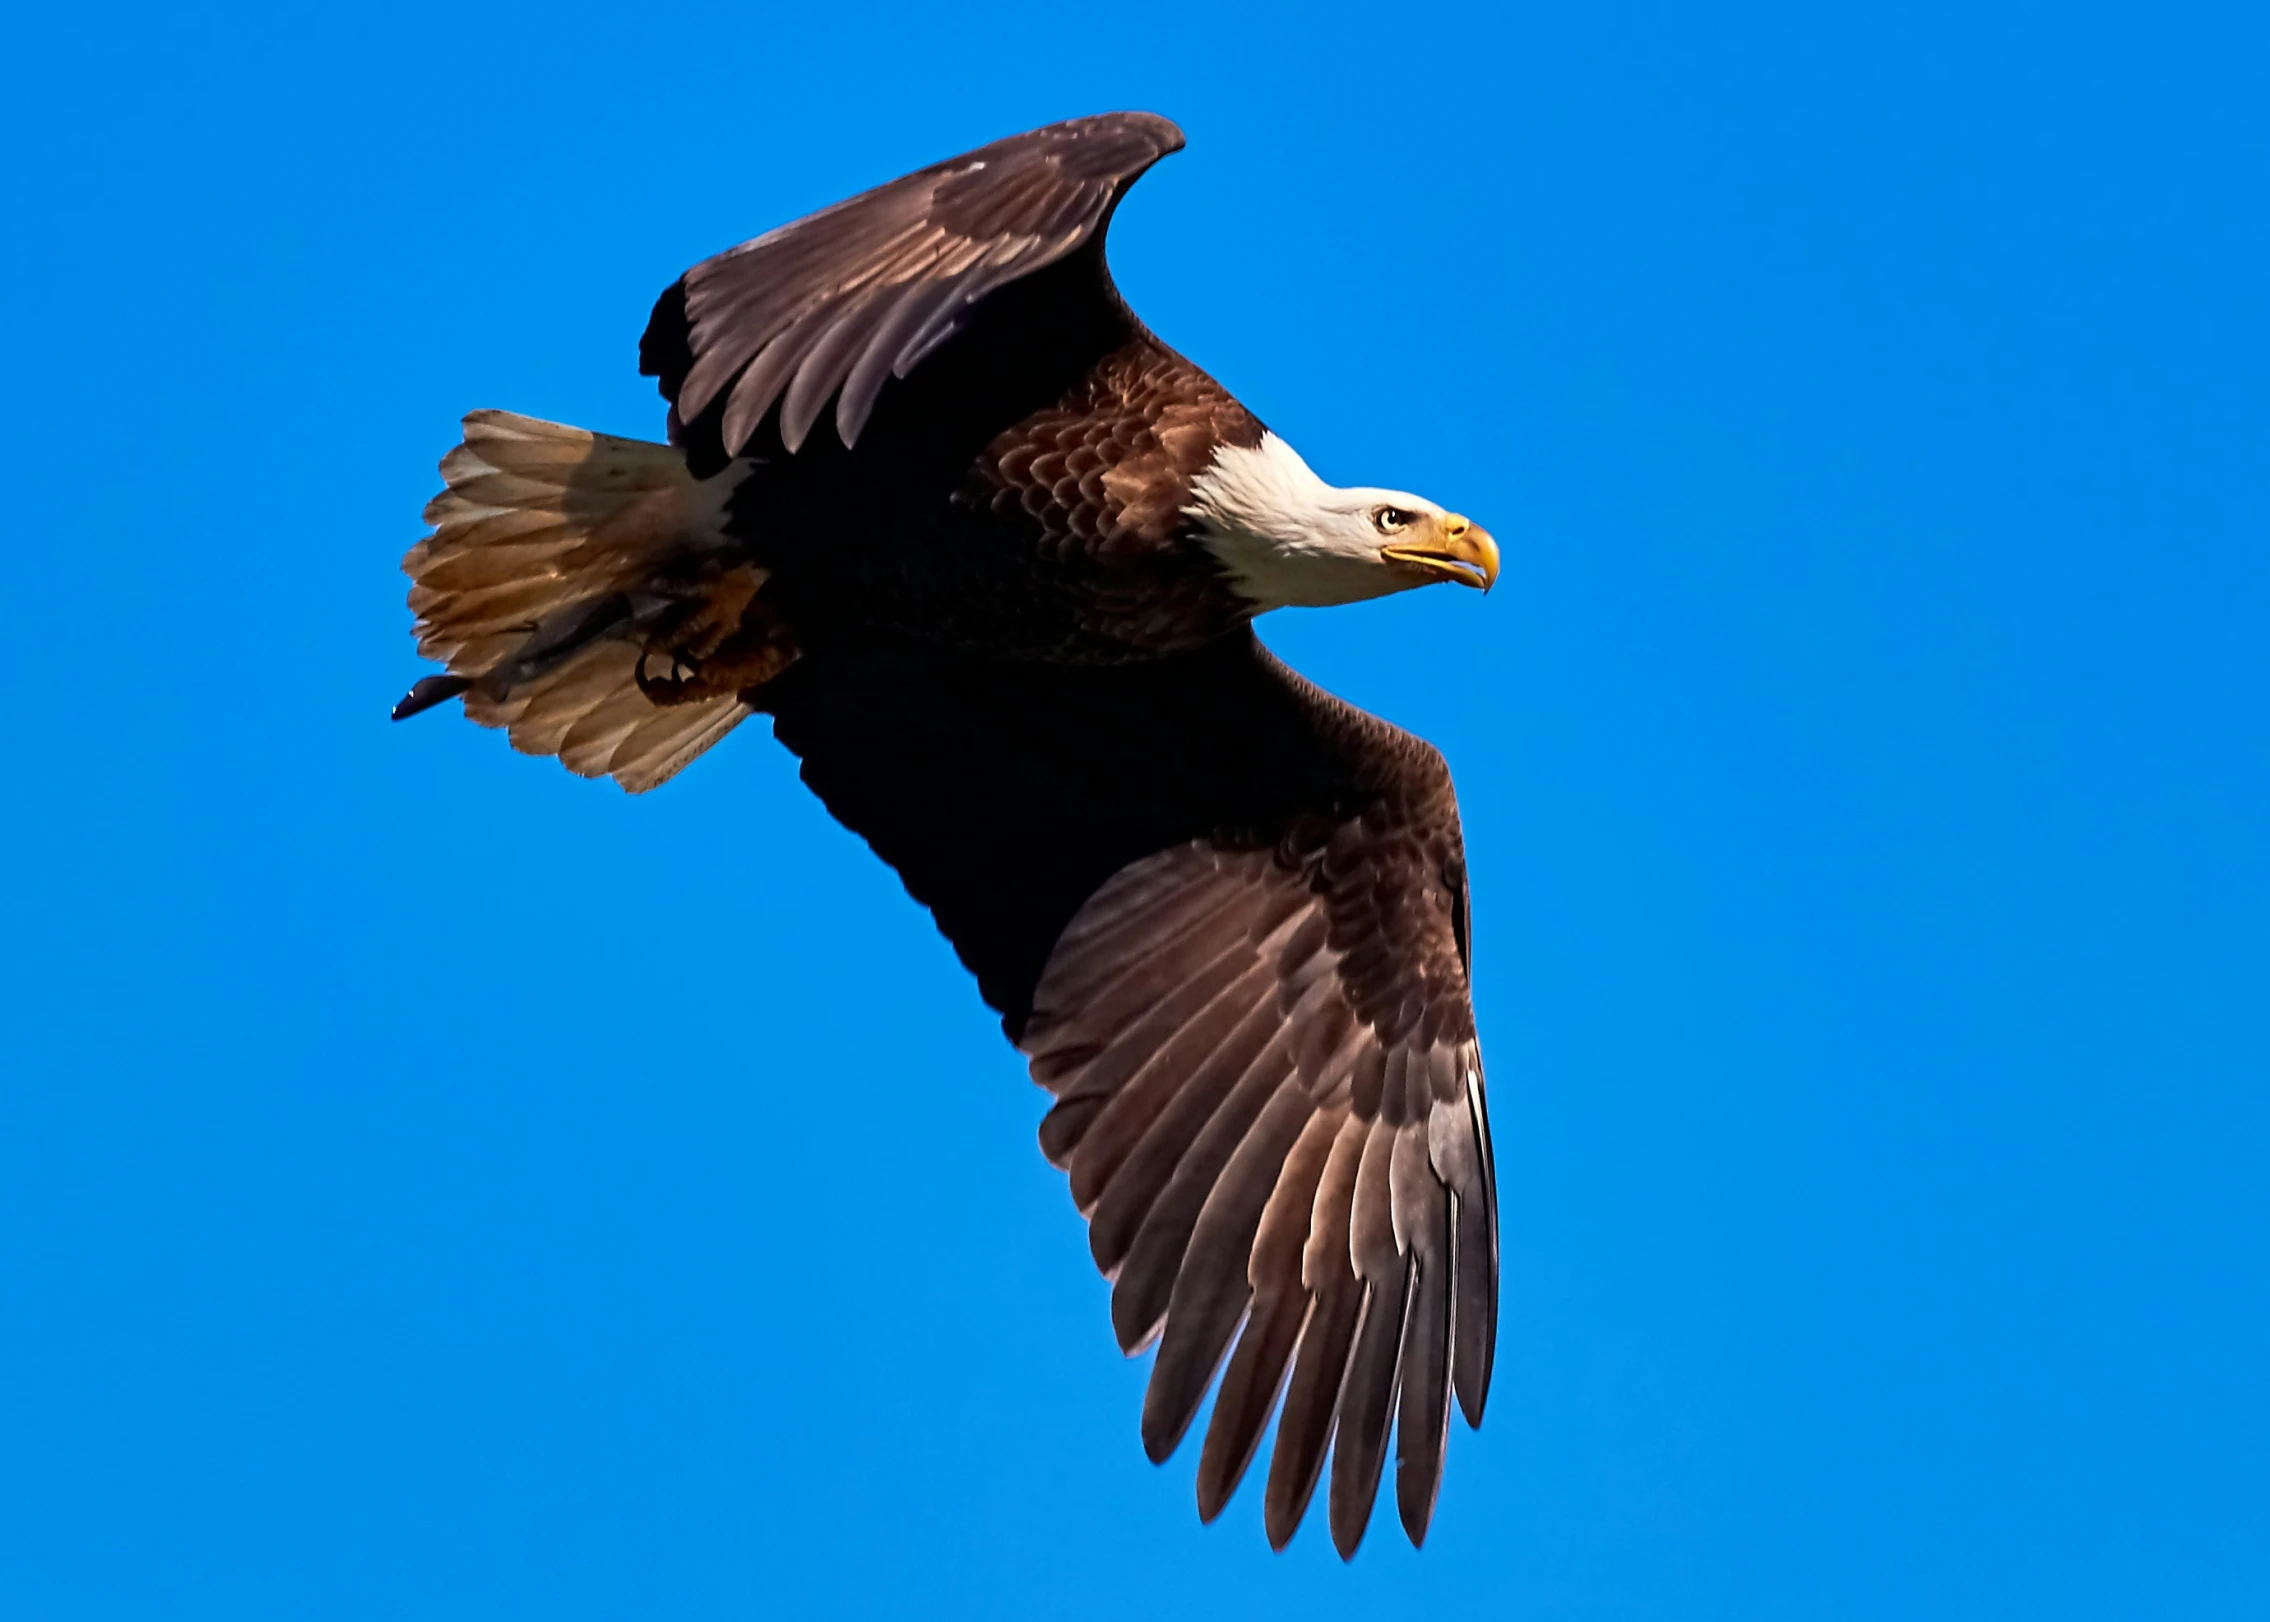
x=988 y=553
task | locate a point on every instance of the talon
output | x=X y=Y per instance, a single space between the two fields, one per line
x=670 y=689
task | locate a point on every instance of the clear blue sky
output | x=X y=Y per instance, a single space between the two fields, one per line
x=433 y=1186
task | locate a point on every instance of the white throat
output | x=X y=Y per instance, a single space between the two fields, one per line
x=1286 y=538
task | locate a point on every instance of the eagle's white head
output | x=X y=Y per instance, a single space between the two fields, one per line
x=1289 y=540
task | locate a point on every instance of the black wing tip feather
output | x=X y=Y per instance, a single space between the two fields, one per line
x=1247 y=1400
x=425 y=693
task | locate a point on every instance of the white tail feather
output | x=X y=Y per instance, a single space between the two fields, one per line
x=556 y=557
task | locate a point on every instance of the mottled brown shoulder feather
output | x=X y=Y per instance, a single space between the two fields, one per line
x=1108 y=469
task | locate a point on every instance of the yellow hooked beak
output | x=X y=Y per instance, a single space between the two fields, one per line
x=1449 y=548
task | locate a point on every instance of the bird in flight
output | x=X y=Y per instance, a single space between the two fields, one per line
x=988 y=554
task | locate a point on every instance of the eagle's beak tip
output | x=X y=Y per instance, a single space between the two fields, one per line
x=1476 y=547
x=1461 y=550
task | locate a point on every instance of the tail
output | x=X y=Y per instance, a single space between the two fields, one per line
x=582 y=593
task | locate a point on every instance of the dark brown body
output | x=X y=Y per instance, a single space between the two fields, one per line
x=1059 y=536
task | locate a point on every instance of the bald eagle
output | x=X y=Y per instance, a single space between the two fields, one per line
x=988 y=553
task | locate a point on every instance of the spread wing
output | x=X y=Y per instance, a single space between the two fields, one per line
x=1224 y=917
x=833 y=304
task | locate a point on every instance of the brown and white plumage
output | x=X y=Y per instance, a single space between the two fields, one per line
x=998 y=603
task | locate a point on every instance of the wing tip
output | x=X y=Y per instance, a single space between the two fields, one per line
x=425 y=693
x=1473 y=1394
x=1165 y=131
x=1348 y=1533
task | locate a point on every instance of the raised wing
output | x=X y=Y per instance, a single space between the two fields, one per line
x=833 y=304
x=1223 y=915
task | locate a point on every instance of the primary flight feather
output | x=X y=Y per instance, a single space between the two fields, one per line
x=988 y=553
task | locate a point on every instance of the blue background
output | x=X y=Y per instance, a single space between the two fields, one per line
x=431 y=1185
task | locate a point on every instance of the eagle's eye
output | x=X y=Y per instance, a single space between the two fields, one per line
x=1390 y=519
